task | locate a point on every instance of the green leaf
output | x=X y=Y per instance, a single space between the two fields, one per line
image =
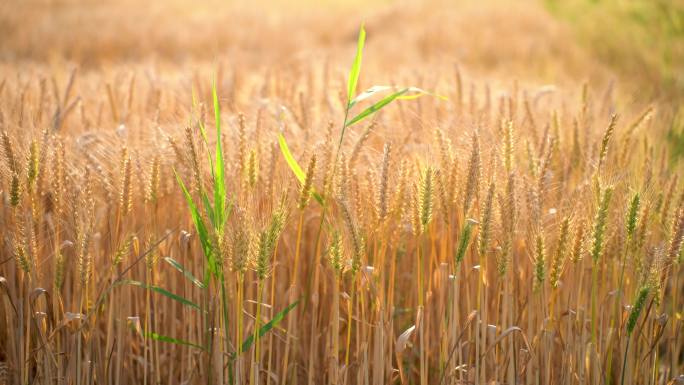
x=208 y=208
x=162 y=338
x=294 y=166
x=416 y=93
x=376 y=107
x=368 y=93
x=201 y=228
x=291 y=161
x=356 y=67
x=176 y=265
x=163 y=292
x=269 y=325
x=219 y=183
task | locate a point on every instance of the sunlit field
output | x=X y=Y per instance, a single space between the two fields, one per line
x=385 y=192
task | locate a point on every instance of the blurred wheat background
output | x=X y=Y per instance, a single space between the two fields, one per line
x=524 y=226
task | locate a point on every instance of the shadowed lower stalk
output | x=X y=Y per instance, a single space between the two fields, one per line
x=421 y=315
x=425 y=201
x=596 y=251
x=334 y=371
x=257 y=342
x=239 y=325
x=293 y=285
x=273 y=304
x=350 y=307
x=336 y=261
x=630 y=224
x=632 y=321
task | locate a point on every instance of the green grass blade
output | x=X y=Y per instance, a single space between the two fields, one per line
x=163 y=292
x=291 y=161
x=415 y=93
x=269 y=325
x=208 y=208
x=372 y=91
x=418 y=92
x=295 y=167
x=176 y=341
x=376 y=107
x=356 y=67
x=176 y=265
x=219 y=183
x=317 y=197
x=200 y=227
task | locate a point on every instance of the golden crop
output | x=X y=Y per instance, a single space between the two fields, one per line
x=171 y=213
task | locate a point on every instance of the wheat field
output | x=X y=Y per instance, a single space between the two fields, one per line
x=206 y=193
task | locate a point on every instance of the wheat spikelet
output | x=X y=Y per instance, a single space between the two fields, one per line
x=643 y=117
x=153 y=183
x=59 y=179
x=261 y=259
x=508 y=146
x=444 y=148
x=126 y=188
x=60 y=261
x=336 y=253
x=191 y=155
x=342 y=177
x=486 y=222
x=9 y=152
x=444 y=200
x=426 y=197
x=633 y=216
x=636 y=309
x=473 y=181
x=328 y=161
x=252 y=168
x=21 y=255
x=356 y=238
x=239 y=247
x=384 y=180
x=399 y=201
x=180 y=157
x=266 y=243
x=559 y=254
x=464 y=240
x=676 y=239
x=123 y=250
x=152 y=256
x=84 y=258
x=544 y=173
x=32 y=164
x=578 y=244
x=665 y=208
x=539 y=261
x=307 y=186
x=42 y=151
x=598 y=234
x=15 y=190
x=415 y=210
x=656 y=274
x=530 y=119
x=359 y=144
x=606 y=140
x=508 y=213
